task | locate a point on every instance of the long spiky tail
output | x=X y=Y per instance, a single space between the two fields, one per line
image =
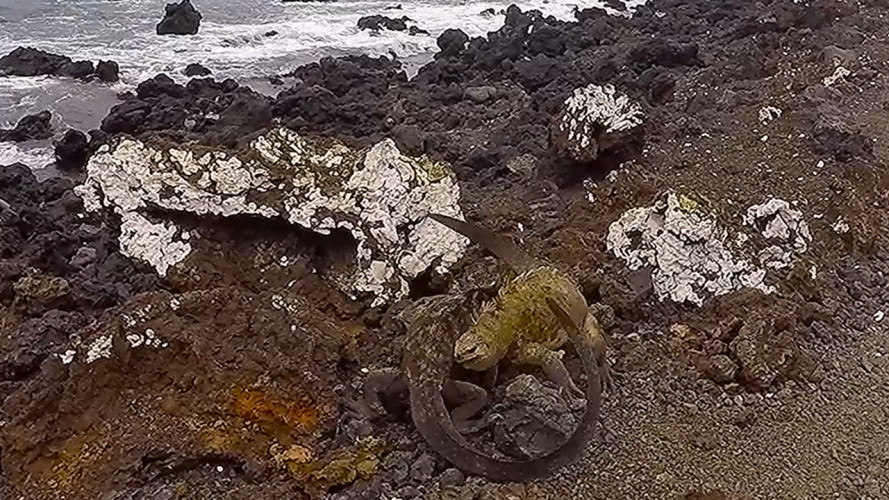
x=500 y=246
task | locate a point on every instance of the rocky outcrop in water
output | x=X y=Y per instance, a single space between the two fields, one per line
x=29 y=128
x=377 y=23
x=108 y=71
x=72 y=150
x=195 y=69
x=28 y=61
x=180 y=19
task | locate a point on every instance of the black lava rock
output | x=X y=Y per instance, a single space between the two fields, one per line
x=195 y=69
x=27 y=61
x=180 y=19
x=72 y=150
x=108 y=71
x=29 y=128
x=451 y=42
x=377 y=23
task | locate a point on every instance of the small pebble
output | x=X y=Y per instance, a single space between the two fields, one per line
x=422 y=469
x=452 y=477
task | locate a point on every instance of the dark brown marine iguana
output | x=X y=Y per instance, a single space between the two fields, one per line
x=438 y=325
x=427 y=364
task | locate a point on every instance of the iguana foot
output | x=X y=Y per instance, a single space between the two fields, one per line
x=386 y=381
x=470 y=400
x=555 y=370
x=551 y=363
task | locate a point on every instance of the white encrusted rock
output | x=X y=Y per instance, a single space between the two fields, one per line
x=685 y=250
x=592 y=119
x=379 y=195
x=783 y=227
x=769 y=113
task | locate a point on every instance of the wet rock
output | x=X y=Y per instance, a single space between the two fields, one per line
x=79 y=70
x=27 y=61
x=180 y=19
x=594 y=119
x=451 y=42
x=161 y=104
x=536 y=419
x=30 y=128
x=108 y=71
x=377 y=23
x=617 y=5
x=195 y=69
x=72 y=150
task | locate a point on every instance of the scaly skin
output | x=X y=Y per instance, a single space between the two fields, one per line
x=437 y=323
x=518 y=325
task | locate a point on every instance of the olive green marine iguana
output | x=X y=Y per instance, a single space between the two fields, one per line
x=435 y=325
x=517 y=325
x=430 y=356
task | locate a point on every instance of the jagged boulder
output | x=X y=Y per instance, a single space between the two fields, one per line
x=380 y=196
x=377 y=23
x=595 y=118
x=29 y=128
x=72 y=150
x=180 y=19
x=28 y=61
x=195 y=69
x=108 y=71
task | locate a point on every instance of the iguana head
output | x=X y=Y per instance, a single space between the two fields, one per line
x=474 y=352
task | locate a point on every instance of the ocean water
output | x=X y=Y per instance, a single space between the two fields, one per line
x=232 y=42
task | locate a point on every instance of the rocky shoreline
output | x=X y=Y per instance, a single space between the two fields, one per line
x=186 y=318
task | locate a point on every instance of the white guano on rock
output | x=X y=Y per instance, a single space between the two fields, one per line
x=685 y=250
x=378 y=195
x=783 y=227
x=594 y=118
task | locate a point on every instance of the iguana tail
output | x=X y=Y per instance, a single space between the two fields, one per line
x=433 y=421
x=500 y=246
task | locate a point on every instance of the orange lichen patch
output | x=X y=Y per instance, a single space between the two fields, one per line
x=277 y=417
x=71 y=468
x=340 y=468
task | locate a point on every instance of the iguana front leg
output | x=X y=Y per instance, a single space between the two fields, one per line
x=470 y=400
x=534 y=353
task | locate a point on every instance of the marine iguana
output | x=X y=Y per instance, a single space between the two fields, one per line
x=518 y=324
x=427 y=364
